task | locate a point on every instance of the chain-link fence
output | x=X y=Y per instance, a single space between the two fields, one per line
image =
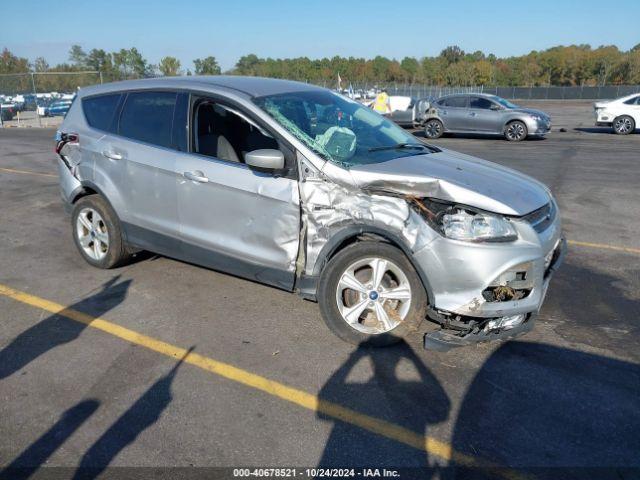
x=13 y=84
x=520 y=93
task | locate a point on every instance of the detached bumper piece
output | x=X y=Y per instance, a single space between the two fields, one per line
x=461 y=331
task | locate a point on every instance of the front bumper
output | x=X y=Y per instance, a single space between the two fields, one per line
x=447 y=338
x=464 y=276
x=538 y=128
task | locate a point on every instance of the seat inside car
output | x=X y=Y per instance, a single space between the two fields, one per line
x=213 y=132
x=223 y=134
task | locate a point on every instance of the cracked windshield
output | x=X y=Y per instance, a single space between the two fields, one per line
x=340 y=130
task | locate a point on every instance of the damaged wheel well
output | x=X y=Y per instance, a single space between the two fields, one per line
x=86 y=191
x=355 y=234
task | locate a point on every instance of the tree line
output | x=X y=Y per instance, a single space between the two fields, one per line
x=558 y=66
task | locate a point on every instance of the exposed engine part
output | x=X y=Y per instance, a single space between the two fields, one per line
x=504 y=293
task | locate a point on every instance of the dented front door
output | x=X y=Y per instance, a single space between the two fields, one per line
x=238 y=220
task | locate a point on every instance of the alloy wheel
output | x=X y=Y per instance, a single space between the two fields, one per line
x=373 y=295
x=433 y=129
x=515 y=131
x=92 y=233
x=623 y=125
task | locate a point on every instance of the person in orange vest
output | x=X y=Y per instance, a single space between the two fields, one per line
x=382 y=104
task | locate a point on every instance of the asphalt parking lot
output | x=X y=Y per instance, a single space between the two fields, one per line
x=93 y=370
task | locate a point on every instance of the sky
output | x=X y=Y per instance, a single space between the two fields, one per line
x=191 y=29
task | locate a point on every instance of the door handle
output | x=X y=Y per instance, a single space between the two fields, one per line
x=472 y=114
x=112 y=155
x=196 y=176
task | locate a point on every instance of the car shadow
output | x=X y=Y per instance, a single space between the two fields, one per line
x=400 y=389
x=551 y=412
x=603 y=130
x=475 y=136
x=559 y=412
x=593 y=309
x=57 y=330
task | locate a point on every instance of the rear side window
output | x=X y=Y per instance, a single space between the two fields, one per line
x=460 y=102
x=99 y=110
x=148 y=117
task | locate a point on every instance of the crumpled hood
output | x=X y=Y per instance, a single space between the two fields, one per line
x=455 y=177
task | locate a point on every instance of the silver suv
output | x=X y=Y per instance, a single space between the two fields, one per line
x=295 y=186
x=484 y=114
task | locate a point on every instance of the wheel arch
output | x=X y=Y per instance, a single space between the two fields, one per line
x=360 y=233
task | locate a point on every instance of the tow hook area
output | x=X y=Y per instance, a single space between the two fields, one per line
x=458 y=330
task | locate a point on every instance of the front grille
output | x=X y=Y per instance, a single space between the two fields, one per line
x=541 y=218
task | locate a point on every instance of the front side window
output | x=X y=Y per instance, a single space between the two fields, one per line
x=99 y=110
x=148 y=117
x=481 y=103
x=633 y=101
x=225 y=133
x=339 y=129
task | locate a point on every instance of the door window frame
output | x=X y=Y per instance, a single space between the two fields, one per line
x=457 y=96
x=291 y=164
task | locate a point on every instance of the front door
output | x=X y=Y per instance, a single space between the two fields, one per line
x=482 y=118
x=233 y=218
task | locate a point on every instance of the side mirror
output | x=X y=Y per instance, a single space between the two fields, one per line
x=265 y=159
x=495 y=107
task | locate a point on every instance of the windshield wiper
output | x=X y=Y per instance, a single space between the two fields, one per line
x=406 y=145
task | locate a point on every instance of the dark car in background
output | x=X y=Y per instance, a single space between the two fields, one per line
x=7 y=111
x=479 y=113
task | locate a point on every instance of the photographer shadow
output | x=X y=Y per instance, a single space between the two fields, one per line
x=399 y=390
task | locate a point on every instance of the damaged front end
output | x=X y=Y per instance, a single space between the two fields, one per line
x=486 y=274
x=459 y=331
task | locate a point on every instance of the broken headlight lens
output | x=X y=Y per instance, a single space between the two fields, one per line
x=467 y=224
x=476 y=227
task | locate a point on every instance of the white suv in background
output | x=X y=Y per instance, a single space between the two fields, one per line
x=623 y=114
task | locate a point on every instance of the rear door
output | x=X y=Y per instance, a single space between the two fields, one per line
x=454 y=112
x=96 y=141
x=236 y=219
x=144 y=145
x=481 y=117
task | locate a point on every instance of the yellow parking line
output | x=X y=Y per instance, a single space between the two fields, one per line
x=25 y=172
x=604 y=246
x=293 y=395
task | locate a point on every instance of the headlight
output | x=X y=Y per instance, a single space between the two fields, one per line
x=537 y=118
x=465 y=223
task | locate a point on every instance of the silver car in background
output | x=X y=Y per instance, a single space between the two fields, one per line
x=298 y=187
x=479 y=113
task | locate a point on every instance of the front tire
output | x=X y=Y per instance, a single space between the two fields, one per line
x=515 y=131
x=624 y=125
x=370 y=293
x=433 y=128
x=97 y=233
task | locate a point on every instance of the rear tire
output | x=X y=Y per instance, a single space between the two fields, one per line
x=515 y=131
x=623 y=125
x=391 y=306
x=433 y=128
x=97 y=233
